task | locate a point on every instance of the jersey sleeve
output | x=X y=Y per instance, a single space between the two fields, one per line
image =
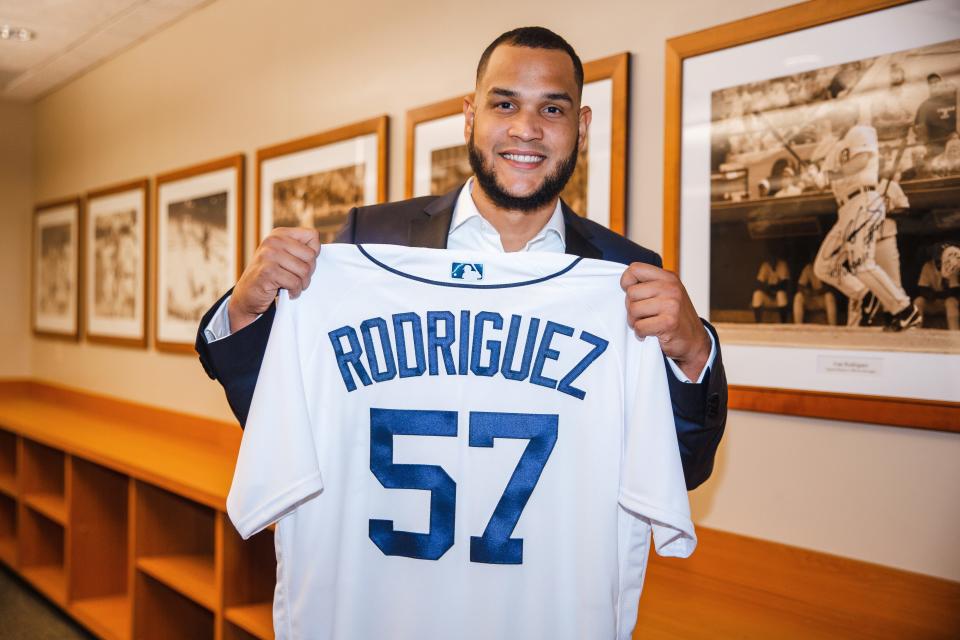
x=277 y=466
x=652 y=485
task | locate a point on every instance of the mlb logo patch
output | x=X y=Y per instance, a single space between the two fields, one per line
x=466 y=271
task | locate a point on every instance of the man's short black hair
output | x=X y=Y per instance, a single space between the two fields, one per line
x=533 y=38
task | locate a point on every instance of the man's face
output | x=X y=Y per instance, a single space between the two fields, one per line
x=524 y=126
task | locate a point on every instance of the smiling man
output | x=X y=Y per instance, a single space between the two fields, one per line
x=523 y=127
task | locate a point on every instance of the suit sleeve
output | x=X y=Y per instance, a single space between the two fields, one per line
x=700 y=416
x=235 y=360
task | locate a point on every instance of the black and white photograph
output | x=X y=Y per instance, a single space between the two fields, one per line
x=199 y=213
x=836 y=186
x=115 y=268
x=819 y=174
x=197 y=248
x=315 y=181
x=438 y=161
x=320 y=200
x=56 y=269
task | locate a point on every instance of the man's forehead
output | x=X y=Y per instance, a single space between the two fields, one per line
x=516 y=68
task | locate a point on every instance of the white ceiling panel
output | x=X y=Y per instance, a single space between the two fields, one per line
x=73 y=36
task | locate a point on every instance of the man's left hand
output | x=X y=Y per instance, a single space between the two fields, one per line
x=658 y=305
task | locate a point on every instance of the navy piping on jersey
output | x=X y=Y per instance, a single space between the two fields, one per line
x=463 y=284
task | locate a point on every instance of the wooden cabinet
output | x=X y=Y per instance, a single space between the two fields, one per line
x=122 y=523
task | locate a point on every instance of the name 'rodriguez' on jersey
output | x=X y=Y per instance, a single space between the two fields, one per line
x=460 y=445
x=400 y=348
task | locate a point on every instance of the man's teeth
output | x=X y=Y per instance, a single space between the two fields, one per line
x=522 y=158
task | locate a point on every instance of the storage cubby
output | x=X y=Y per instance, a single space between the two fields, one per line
x=8 y=464
x=249 y=576
x=99 y=549
x=175 y=543
x=41 y=480
x=41 y=554
x=8 y=530
x=115 y=513
x=161 y=613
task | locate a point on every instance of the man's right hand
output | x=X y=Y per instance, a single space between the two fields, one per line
x=284 y=260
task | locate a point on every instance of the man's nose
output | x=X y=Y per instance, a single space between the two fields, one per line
x=525 y=126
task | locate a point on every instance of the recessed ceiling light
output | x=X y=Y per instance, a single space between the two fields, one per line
x=22 y=34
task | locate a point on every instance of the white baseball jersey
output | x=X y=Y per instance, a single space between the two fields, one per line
x=460 y=445
x=859 y=139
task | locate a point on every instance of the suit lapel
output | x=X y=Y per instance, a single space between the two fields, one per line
x=430 y=228
x=578 y=235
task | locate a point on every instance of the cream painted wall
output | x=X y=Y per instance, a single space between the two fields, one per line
x=238 y=75
x=16 y=210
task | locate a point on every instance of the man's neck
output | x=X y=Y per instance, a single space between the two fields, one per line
x=516 y=228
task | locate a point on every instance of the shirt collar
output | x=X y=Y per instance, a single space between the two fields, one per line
x=466 y=210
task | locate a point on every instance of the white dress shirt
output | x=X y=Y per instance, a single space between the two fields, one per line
x=469 y=230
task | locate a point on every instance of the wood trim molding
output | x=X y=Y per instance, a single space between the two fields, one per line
x=378 y=126
x=442 y=109
x=77 y=201
x=920 y=414
x=236 y=162
x=144 y=185
x=765 y=25
x=881 y=410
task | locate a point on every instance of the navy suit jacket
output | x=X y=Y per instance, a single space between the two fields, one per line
x=699 y=410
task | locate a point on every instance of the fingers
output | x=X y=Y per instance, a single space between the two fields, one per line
x=653 y=316
x=641 y=272
x=303 y=235
x=286 y=270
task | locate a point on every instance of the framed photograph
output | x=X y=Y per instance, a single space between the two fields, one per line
x=812 y=185
x=437 y=160
x=315 y=181
x=56 y=269
x=115 y=269
x=198 y=240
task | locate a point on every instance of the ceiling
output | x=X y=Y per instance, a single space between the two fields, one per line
x=73 y=36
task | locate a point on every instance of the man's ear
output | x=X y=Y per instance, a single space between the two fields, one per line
x=586 y=115
x=469 y=113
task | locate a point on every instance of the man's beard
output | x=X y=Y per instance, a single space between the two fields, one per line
x=548 y=190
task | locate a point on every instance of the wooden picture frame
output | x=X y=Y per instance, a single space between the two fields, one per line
x=801 y=384
x=441 y=150
x=115 y=268
x=302 y=175
x=56 y=269
x=191 y=273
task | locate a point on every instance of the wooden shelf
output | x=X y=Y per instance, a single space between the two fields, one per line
x=51 y=505
x=50 y=580
x=190 y=575
x=108 y=617
x=255 y=619
x=8 y=484
x=8 y=550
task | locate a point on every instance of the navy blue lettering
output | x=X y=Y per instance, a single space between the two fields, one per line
x=352 y=356
x=493 y=346
x=390 y=365
x=545 y=353
x=512 y=336
x=437 y=343
x=566 y=384
x=406 y=371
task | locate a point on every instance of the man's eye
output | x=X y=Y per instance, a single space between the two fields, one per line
x=503 y=105
x=554 y=110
